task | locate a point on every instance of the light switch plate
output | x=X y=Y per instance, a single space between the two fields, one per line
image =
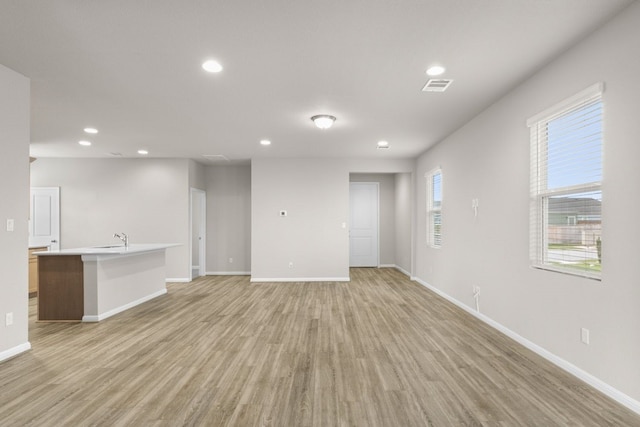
x=10 y=224
x=584 y=335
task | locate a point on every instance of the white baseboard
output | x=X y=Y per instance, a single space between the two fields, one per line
x=99 y=317
x=228 y=273
x=593 y=381
x=403 y=271
x=397 y=267
x=14 y=351
x=177 y=280
x=302 y=279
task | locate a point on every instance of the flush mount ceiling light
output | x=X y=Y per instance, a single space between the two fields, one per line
x=323 y=121
x=91 y=130
x=212 y=66
x=85 y=143
x=265 y=142
x=143 y=152
x=383 y=145
x=435 y=70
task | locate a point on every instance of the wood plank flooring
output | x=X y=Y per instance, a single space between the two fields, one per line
x=377 y=351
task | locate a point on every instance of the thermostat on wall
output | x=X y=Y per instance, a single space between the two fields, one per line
x=283 y=213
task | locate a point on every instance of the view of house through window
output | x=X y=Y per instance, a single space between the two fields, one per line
x=434 y=208
x=566 y=177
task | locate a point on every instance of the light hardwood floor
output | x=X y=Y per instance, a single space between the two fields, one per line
x=377 y=351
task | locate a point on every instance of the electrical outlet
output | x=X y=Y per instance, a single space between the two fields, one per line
x=8 y=320
x=584 y=335
x=291 y=264
x=230 y=260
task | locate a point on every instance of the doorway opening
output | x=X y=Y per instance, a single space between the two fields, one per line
x=198 y=233
x=393 y=215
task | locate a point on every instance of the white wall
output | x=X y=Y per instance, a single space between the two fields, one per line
x=228 y=219
x=146 y=198
x=315 y=193
x=14 y=204
x=403 y=222
x=197 y=172
x=387 y=212
x=488 y=159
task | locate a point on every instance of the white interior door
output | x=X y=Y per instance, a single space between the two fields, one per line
x=363 y=224
x=198 y=232
x=44 y=217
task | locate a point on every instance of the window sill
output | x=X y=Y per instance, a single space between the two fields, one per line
x=571 y=272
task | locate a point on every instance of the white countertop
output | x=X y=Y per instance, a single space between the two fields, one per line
x=134 y=248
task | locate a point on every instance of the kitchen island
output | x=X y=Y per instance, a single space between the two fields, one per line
x=91 y=284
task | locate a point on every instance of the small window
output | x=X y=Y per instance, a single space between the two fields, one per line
x=434 y=208
x=566 y=179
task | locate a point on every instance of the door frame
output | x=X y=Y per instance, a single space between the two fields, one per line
x=377 y=186
x=194 y=195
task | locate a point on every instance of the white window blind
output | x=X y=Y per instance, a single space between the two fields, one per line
x=566 y=178
x=434 y=208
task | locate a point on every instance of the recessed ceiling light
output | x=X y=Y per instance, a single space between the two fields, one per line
x=435 y=70
x=265 y=142
x=143 y=152
x=383 y=144
x=85 y=143
x=212 y=66
x=91 y=130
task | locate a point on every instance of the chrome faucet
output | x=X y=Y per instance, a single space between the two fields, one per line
x=123 y=237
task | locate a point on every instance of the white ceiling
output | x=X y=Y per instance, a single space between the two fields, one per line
x=132 y=69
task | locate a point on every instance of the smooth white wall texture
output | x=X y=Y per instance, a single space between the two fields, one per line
x=14 y=204
x=146 y=198
x=197 y=172
x=228 y=219
x=387 y=211
x=488 y=159
x=403 y=222
x=315 y=194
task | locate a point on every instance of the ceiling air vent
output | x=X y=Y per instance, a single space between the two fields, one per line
x=215 y=157
x=437 y=85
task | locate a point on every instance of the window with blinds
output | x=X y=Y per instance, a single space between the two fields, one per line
x=434 y=208
x=566 y=178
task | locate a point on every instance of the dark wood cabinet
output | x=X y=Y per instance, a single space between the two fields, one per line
x=60 y=288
